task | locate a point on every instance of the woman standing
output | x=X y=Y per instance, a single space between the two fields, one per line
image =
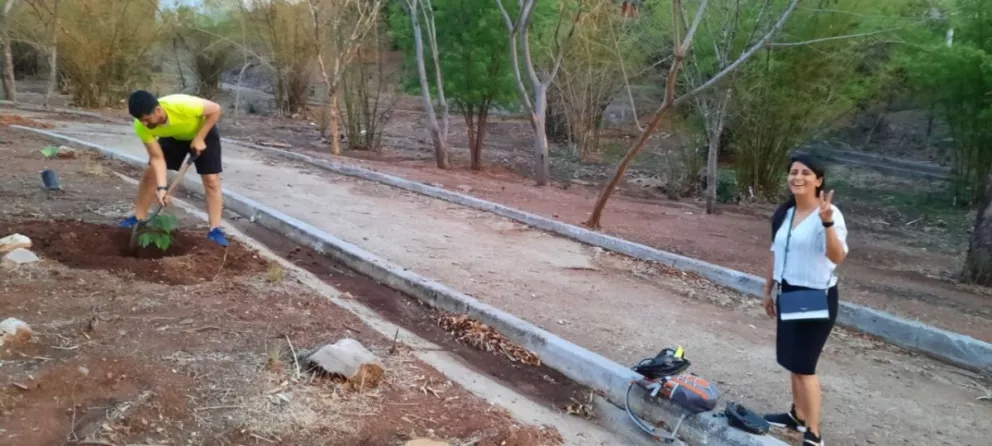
x=809 y=240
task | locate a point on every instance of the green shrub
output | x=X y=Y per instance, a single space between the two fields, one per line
x=158 y=232
x=726 y=186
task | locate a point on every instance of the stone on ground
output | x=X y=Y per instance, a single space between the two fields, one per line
x=350 y=359
x=14 y=241
x=65 y=152
x=18 y=257
x=426 y=442
x=14 y=331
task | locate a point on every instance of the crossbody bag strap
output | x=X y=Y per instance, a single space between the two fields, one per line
x=788 y=237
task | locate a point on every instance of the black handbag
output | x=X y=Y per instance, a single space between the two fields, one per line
x=801 y=305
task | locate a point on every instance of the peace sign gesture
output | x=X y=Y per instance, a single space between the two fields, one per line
x=826 y=209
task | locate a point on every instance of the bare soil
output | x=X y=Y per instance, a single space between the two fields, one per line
x=85 y=245
x=119 y=357
x=7 y=119
x=541 y=383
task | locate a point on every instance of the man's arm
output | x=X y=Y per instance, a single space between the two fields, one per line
x=212 y=112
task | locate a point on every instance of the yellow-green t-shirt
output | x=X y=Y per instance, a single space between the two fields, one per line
x=185 y=114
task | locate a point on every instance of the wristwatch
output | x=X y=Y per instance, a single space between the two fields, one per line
x=828 y=224
x=163 y=188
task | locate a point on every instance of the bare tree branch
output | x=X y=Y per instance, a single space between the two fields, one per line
x=512 y=28
x=845 y=37
x=671 y=101
x=742 y=59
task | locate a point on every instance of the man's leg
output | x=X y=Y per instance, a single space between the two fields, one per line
x=146 y=194
x=215 y=198
x=147 y=186
x=208 y=165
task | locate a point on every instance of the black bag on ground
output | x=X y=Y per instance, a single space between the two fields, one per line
x=745 y=419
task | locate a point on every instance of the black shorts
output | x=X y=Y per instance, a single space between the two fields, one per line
x=175 y=152
x=798 y=344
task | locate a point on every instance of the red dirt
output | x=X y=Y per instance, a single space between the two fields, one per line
x=188 y=361
x=9 y=119
x=190 y=259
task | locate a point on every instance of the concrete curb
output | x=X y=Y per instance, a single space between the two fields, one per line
x=955 y=348
x=579 y=364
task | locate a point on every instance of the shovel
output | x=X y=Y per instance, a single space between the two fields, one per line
x=178 y=179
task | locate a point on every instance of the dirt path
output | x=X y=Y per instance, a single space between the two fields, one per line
x=193 y=348
x=622 y=309
x=903 y=264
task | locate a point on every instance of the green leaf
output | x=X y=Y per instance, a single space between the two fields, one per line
x=50 y=151
x=163 y=241
x=145 y=239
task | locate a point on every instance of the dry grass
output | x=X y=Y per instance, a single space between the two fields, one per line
x=275 y=274
x=281 y=405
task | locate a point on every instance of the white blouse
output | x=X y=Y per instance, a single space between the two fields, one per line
x=808 y=265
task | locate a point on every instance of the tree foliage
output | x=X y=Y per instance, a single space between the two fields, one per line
x=605 y=50
x=955 y=75
x=201 y=31
x=475 y=65
x=280 y=28
x=105 y=48
x=800 y=87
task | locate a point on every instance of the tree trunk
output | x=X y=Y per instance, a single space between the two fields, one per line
x=475 y=120
x=480 y=135
x=711 y=173
x=237 y=93
x=335 y=122
x=978 y=263
x=470 y=123
x=542 y=163
x=440 y=148
x=438 y=134
x=713 y=154
x=325 y=114
x=9 y=90
x=663 y=109
x=53 y=55
x=179 y=63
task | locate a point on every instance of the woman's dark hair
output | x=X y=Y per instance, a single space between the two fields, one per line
x=817 y=167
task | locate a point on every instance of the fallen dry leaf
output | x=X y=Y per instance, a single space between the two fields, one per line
x=483 y=337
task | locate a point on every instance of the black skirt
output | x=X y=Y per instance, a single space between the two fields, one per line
x=798 y=344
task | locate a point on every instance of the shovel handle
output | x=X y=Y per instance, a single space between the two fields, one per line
x=178 y=179
x=182 y=172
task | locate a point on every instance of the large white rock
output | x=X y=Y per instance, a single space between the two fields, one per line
x=14 y=241
x=18 y=257
x=12 y=329
x=350 y=359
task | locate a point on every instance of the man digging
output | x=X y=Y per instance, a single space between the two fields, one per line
x=171 y=127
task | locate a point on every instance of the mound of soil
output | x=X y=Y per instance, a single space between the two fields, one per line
x=7 y=119
x=190 y=259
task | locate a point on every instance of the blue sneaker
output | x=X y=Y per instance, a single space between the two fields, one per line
x=217 y=236
x=129 y=222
